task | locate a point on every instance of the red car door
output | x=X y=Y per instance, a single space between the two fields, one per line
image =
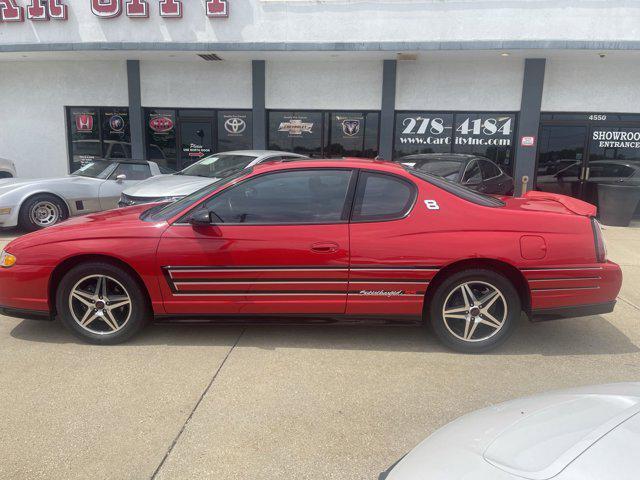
x=280 y=245
x=389 y=273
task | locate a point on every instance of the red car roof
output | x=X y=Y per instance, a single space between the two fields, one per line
x=351 y=162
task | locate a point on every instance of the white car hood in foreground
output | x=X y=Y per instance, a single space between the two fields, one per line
x=168 y=186
x=586 y=433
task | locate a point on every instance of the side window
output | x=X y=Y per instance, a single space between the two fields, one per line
x=133 y=171
x=610 y=170
x=488 y=169
x=382 y=197
x=472 y=173
x=294 y=196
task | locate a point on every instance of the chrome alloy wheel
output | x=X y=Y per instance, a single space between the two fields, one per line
x=474 y=311
x=100 y=304
x=45 y=214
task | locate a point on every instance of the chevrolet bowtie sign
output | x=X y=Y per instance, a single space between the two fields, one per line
x=42 y=10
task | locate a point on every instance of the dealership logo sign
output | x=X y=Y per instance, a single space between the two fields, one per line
x=295 y=127
x=116 y=122
x=351 y=128
x=161 y=124
x=43 y=10
x=84 y=122
x=235 y=125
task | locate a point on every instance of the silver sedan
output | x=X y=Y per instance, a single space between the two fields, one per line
x=33 y=204
x=202 y=173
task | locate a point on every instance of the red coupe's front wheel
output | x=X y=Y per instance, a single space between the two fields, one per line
x=101 y=303
x=474 y=310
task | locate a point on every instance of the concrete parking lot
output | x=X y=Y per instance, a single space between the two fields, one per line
x=325 y=402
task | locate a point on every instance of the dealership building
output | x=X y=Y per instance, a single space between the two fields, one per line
x=548 y=90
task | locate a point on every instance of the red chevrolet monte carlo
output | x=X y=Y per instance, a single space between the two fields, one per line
x=318 y=241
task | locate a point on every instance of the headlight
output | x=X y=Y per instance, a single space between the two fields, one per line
x=7 y=260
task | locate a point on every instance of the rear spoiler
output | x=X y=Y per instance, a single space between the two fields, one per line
x=573 y=204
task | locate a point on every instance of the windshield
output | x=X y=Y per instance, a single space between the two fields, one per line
x=166 y=211
x=456 y=189
x=449 y=169
x=96 y=169
x=218 y=166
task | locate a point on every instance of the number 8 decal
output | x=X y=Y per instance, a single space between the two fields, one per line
x=432 y=205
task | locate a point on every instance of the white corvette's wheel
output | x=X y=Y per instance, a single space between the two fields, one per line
x=41 y=211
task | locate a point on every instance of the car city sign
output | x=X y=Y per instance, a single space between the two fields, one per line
x=42 y=10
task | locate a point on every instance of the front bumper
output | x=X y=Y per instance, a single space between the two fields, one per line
x=24 y=290
x=129 y=201
x=10 y=219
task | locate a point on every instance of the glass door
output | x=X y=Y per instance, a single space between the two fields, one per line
x=196 y=140
x=613 y=158
x=561 y=164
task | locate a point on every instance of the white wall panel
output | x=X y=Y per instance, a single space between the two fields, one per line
x=197 y=84
x=483 y=84
x=324 y=85
x=592 y=84
x=32 y=108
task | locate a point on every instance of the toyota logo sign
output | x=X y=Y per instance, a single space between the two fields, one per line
x=235 y=125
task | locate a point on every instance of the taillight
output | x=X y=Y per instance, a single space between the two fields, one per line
x=601 y=248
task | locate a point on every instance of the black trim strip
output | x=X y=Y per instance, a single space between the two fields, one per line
x=563 y=288
x=299 y=267
x=568 y=279
x=295 y=280
x=26 y=314
x=572 y=311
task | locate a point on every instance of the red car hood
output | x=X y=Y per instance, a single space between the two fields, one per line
x=550 y=202
x=121 y=222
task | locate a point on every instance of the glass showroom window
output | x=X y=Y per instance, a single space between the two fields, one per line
x=97 y=132
x=178 y=138
x=486 y=134
x=161 y=137
x=325 y=134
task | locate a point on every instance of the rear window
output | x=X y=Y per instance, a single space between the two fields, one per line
x=457 y=190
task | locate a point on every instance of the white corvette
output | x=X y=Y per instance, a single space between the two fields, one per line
x=41 y=202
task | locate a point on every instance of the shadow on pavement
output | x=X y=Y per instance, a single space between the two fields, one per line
x=585 y=336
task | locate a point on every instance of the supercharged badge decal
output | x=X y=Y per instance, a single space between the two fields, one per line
x=383 y=293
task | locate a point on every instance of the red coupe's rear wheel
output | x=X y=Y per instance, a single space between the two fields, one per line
x=474 y=310
x=101 y=303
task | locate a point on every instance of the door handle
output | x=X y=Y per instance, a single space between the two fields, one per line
x=325 y=247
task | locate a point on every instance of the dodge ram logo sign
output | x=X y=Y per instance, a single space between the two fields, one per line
x=351 y=128
x=160 y=124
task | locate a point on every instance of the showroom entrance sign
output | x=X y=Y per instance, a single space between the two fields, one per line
x=43 y=10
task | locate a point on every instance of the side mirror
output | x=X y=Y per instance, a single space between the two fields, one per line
x=121 y=177
x=201 y=219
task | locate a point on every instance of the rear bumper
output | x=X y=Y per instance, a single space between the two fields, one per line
x=26 y=314
x=572 y=311
x=563 y=288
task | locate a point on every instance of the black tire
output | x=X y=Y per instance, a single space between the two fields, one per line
x=25 y=217
x=5 y=175
x=506 y=309
x=129 y=318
